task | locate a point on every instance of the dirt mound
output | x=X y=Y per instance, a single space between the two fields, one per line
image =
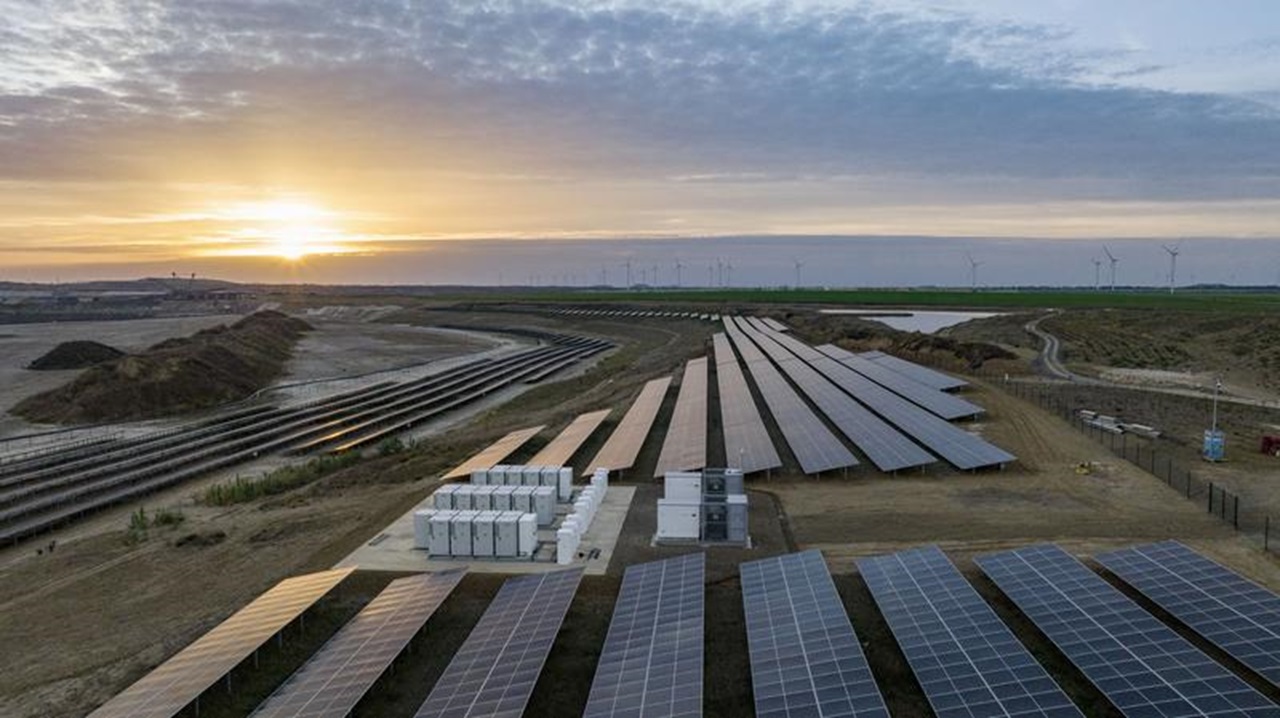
x=206 y=369
x=75 y=355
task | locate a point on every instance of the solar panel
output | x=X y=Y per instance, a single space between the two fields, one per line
x=957 y=446
x=334 y=680
x=494 y=453
x=495 y=670
x=623 y=446
x=947 y=406
x=775 y=324
x=747 y=445
x=966 y=660
x=165 y=691
x=814 y=446
x=567 y=442
x=1230 y=611
x=805 y=657
x=685 y=446
x=922 y=374
x=651 y=664
x=887 y=448
x=1141 y=665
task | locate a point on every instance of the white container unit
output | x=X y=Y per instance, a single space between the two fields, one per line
x=422 y=528
x=682 y=486
x=439 y=530
x=506 y=534
x=679 y=519
x=500 y=500
x=531 y=476
x=482 y=539
x=564 y=483
x=460 y=533
x=527 y=534
x=567 y=542
x=482 y=498
x=480 y=477
x=443 y=497
x=522 y=499
x=550 y=476
x=544 y=504
x=462 y=497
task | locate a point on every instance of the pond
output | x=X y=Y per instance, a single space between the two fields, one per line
x=910 y=320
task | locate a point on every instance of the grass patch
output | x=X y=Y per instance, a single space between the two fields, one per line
x=141 y=523
x=241 y=489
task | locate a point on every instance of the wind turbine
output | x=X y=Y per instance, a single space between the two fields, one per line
x=1111 y=258
x=654 y=276
x=728 y=273
x=627 y=264
x=1173 y=264
x=973 y=271
x=1097 y=273
x=679 y=266
x=799 y=266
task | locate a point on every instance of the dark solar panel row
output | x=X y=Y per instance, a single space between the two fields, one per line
x=805 y=657
x=176 y=683
x=495 y=670
x=1230 y=611
x=685 y=446
x=651 y=663
x=747 y=445
x=947 y=406
x=964 y=657
x=1141 y=665
x=812 y=443
x=911 y=370
x=885 y=446
x=332 y=682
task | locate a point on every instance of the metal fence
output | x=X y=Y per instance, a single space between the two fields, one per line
x=1148 y=455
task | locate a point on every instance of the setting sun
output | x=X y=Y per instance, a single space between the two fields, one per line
x=288 y=230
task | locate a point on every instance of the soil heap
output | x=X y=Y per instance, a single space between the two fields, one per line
x=80 y=354
x=206 y=369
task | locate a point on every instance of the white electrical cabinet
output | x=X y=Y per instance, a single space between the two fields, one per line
x=443 y=497
x=480 y=477
x=440 y=528
x=531 y=476
x=460 y=533
x=544 y=504
x=482 y=498
x=500 y=500
x=506 y=534
x=422 y=528
x=682 y=486
x=527 y=534
x=462 y=497
x=522 y=499
x=482 y=543
x=679 y=519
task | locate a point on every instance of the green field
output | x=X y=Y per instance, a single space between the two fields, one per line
x=1027 y=299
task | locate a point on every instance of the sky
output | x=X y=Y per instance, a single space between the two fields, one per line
x=538 y=141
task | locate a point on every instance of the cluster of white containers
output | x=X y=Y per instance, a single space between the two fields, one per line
x=558 y=477
x=450 y=532
x=569 y=535
x=539 y=500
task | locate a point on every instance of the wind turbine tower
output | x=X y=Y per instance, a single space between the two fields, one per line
x=1111 y=258
x=1097 y=273
x=799 y=266
x=627 y=264
x=973 y=271
x=1173 y=264
x=679 y=266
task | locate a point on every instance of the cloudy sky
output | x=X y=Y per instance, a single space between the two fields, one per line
x=554 y=140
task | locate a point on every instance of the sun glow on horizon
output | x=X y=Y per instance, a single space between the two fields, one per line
x=284 y=229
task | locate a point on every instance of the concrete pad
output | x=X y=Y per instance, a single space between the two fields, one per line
x=392 y=548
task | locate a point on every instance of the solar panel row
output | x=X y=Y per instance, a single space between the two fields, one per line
x=495 y=452
x=947 y=406
x=562 y=448
x=1141 y=665
x=685 y=447
x=651 y=663
x=334 y=680
x=495 y=670
x=1230 y=611
x=812 y=443
x=922 y=374
x=965 y=658
x=747 y=445
x=805 y=657
x=165 y=691
x=623 y=446
x=888 y=449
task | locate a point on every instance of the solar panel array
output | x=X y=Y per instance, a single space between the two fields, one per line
x=922 y=374
x=957 y=446
x=685 y=447
x=495 y=452
x=562 y=448
x=651 y=663
x=814 y=446
x=1141 y=665
x=805 y=657
x=887 y=448
x=965 y=658
x=775 y=324
x=334 y=680
x=623 y=446
x=947 y=406
x=747 y=445
x=165 y=691
x=495 y=670
x=1230 y=611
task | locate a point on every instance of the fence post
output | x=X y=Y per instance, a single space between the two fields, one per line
x=1266 y=533
x=1235 y=513
x=1210 y=497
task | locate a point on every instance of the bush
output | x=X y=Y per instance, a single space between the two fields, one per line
x=242 y=490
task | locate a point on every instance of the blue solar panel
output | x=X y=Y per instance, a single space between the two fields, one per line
x=805 y=658
x=966 y=660
x=1141 y=665
x=1230 y=611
